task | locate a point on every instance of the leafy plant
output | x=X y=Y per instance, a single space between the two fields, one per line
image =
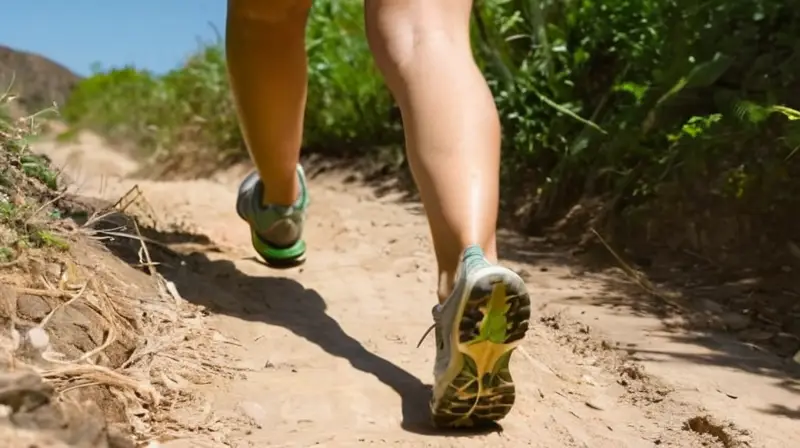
x=615 y=97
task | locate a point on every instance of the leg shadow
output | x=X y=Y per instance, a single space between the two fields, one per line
x=286 y=303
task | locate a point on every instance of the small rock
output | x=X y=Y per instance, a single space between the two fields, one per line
x=793 y=324
x=793 y=249
x=53 y=270
x=33 y=307
x=735 y=321
x=785 y=344
x=755 y=335
x=38 y=338
x=712 y=306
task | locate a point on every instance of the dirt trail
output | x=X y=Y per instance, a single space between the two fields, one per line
x=328 y=351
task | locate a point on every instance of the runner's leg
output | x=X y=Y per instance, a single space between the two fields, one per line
x=451 y=123
x=265 y=47
x=453 y=146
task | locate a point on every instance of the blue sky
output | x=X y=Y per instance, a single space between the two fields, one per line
x=150 y=34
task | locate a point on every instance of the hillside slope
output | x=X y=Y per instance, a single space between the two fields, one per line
x=38 y=81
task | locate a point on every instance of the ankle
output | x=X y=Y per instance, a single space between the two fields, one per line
x=446 y=282
x=448 y=272
x=280 y=195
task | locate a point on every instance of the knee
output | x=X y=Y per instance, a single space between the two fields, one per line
x=271 y=11
x=400 y=37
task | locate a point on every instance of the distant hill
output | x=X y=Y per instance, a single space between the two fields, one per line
x=38 y=81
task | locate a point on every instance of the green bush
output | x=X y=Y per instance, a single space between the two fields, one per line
x=621 y=95
x=612 y=97
x=348 y=104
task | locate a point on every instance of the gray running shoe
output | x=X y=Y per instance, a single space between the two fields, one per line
x=276 y=231
x=477 y=328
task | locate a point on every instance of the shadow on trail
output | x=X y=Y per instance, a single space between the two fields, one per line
x=760 y=309
x=701 y=315
x=281 y=302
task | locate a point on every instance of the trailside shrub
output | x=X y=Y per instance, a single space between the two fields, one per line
x=348 y=104
x=622 y=98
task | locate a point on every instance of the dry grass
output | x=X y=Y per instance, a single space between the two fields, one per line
x=637 y=277
x=154 y=348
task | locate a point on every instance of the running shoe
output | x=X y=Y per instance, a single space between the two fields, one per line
x=477 y=329
x=276 y=231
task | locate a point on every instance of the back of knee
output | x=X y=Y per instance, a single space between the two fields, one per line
x=270 y=11
x=397 y=40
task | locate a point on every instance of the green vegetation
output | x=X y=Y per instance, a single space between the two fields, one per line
x=626 y=95
x=661 y=107
x=28 y=187
x=350 y=107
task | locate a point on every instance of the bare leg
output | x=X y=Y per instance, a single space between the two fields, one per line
x=451 y=123
x=265 y=45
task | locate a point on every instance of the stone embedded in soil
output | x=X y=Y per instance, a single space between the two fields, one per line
x=735 y=321
x=792 y=325
x=712 y=306
x=32 y=307
x=31 y=407
x=23 y=390
x=785 y=344
x=756 y=335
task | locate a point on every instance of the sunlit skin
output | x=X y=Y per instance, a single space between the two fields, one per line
x=422 y=48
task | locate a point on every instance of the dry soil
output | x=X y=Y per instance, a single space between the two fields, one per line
x=325 y=354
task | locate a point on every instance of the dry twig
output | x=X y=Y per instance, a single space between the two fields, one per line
x=641 y=281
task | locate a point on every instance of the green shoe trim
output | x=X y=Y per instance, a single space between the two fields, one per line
x=294 y=254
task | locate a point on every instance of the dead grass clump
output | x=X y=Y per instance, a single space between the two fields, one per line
x=93 y=352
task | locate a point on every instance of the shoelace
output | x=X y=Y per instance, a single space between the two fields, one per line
x=427 y=332
x=436 y=317
x=435 y=314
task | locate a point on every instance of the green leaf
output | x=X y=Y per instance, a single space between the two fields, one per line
x=702 y=75
x=707 y=73
x=568 y=112
x=789 y=113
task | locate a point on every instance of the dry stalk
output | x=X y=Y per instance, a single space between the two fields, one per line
x=55 y=293
x=71 y=300
x=13 y=263
x=44 y=206
x=148 y=260
x=640 y=280
x=105 y=376
x=139 y=237
x=161 y=370
x=115 y=208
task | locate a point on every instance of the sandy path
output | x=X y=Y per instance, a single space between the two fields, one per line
x=331 y=346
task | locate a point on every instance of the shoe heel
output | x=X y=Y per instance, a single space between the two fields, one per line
x=493 y=323
x=281 y=258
